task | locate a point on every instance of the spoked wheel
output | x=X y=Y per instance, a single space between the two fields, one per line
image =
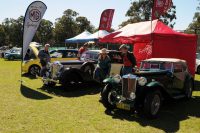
x=152 y=104
x=108 y=97
x=34 y=70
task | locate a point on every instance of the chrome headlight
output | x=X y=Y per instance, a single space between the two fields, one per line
x=142 y=81
x=117 y=78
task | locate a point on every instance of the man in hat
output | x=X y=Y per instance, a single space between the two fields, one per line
x=82 y=49
x=129 y=61
x=44 y=57
x=103 y=66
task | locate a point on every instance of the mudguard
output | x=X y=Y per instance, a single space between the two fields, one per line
x=154 y=85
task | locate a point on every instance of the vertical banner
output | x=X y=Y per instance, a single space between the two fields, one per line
x=32 y=19
x=106 y=19
x=160 y=7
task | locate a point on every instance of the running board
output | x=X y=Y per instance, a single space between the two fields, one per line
x=178 y=96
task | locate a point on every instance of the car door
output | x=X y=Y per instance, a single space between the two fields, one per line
x=179 y=76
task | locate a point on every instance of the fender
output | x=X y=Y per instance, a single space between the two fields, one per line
x=91 y=64
x=110 y=81
x=154 y=85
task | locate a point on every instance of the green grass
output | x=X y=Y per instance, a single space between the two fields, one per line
x=31 y=108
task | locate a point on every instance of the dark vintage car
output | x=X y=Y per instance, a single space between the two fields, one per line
x=75 y=71
x=157 y=79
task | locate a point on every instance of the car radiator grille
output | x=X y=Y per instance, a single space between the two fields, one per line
x=128 y=86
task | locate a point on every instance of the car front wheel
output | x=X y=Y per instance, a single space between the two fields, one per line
x=108 y=99
x=11 y=58
x=34 y=70
x=152 y=104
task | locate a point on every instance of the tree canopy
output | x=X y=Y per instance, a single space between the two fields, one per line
x=68 y=25
x=194 y=26
x=141 y=11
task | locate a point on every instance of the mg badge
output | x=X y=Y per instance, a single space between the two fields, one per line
x=34 y=15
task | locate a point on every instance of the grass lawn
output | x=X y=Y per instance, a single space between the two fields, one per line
x=31 y=108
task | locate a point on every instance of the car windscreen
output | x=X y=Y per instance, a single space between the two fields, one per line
x=155 y=66
x=90 y=55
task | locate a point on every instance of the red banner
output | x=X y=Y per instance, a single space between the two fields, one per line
x=160 y=7
x=106 y=19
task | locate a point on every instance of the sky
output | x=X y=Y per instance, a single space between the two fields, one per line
x=92 y=10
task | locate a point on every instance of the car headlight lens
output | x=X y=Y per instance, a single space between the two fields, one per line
x=142 y=81
x=117 y=78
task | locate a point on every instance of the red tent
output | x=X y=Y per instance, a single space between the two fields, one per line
x=166 y=43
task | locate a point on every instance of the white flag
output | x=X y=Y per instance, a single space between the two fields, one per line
x=33 y=17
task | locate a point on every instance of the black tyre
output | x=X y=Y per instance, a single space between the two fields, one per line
x=11 y=58
x=152 y=104
x=107 y=98
x=188 y=88
x=34 y=70
x=198 y=70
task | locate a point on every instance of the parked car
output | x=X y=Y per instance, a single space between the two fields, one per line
x=114 y=55
x=32 y=63
x=157 y=79
x=197 y=65
x=75 y=71
x=2 y=51
x=13 y=54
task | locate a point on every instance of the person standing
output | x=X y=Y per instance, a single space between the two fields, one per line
x=82 y=49
x=103 y=66
x=45 y=58
x=129 y=61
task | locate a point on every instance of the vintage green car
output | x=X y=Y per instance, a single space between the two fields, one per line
x=157 y=79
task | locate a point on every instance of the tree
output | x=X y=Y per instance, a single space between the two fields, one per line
x=2 y=35
x=69 y=25
x=44 y=33
x=194 y=26
x=13 y=31
x=84 y=24
x=65 y=27
x=141 y=11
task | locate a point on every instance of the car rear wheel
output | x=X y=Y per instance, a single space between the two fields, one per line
x=108 y=99
x=152 y=104
x=188 y=88
x=34 y=70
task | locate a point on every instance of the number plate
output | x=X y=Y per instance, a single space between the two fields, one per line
x=123 y=106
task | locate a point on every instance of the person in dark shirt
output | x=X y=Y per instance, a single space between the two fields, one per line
x=44 y=57
x=103 y=66
x=129 y=61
